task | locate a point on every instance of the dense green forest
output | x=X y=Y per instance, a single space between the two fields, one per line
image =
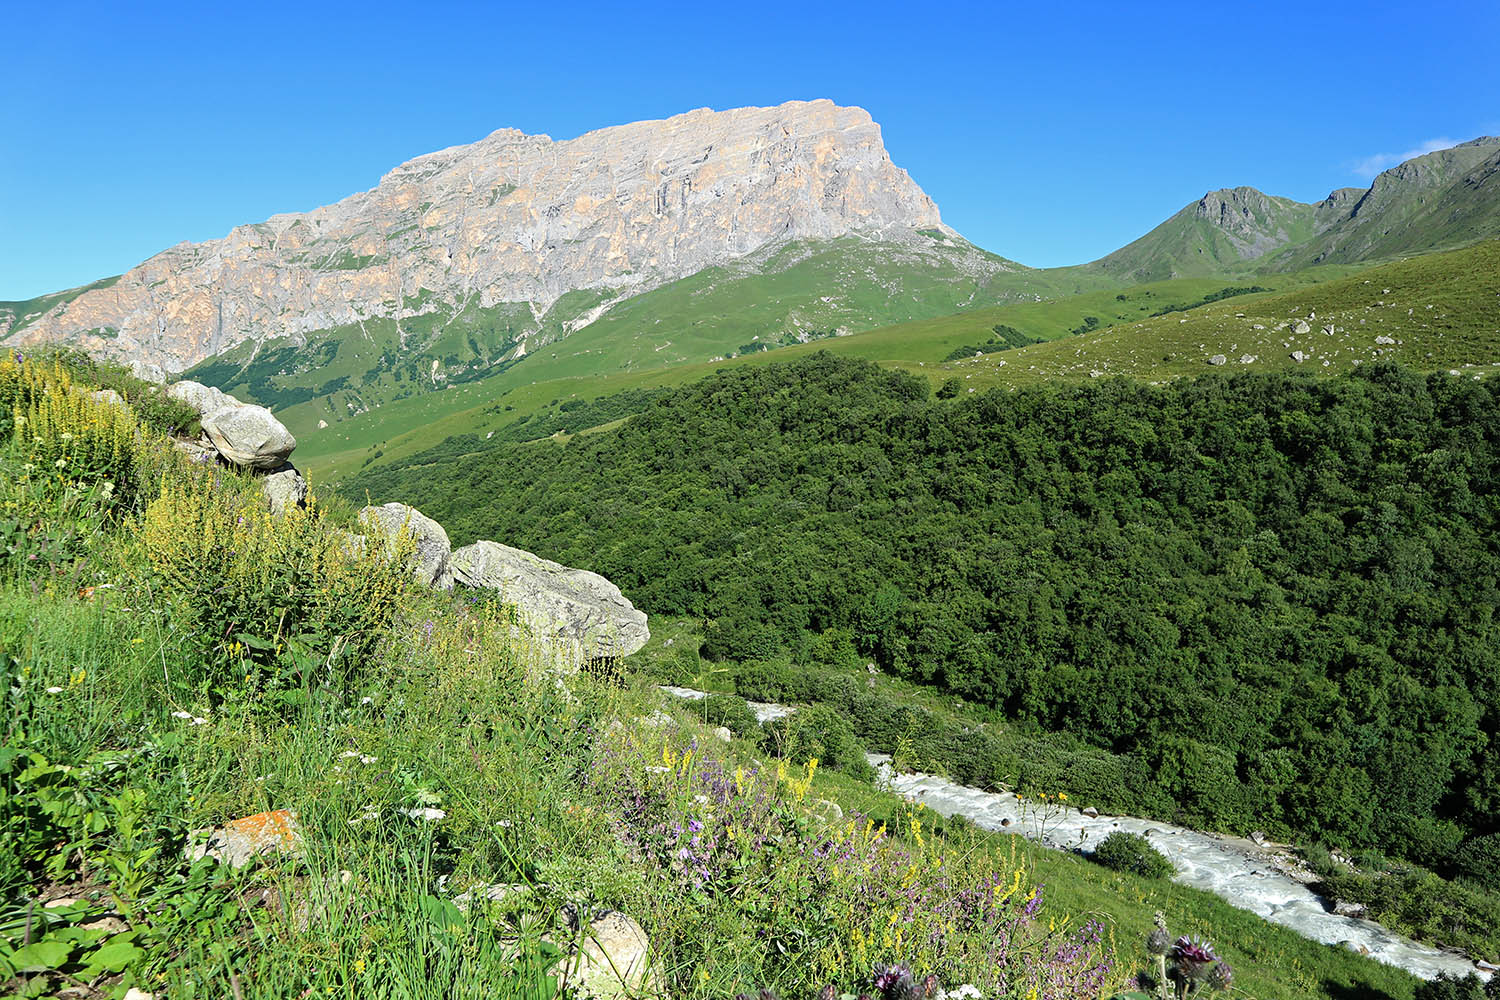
x=1276 y=593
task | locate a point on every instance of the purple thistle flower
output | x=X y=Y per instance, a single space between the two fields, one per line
x=1193 y=957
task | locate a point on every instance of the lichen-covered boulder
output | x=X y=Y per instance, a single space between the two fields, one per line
x=432 y=550
x=558 y=602
x=249 y=436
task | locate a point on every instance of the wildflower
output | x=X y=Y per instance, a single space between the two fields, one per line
x=1158 y=942
x=137 y=641
x=54 y=690
x=60 y=463
x=1193 y=957
x=182 y=715
x=359 y=967
x=425 y=813
x=1220 y=976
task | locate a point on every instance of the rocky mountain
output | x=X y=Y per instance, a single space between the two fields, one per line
x=1435 y=201
x=519 y=238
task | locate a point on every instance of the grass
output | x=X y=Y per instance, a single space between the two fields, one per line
x=1440 y=311
x=449 y=757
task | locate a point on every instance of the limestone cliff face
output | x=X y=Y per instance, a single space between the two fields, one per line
x=513 y=218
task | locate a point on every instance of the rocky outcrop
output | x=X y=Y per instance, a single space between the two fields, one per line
x=512 y=218
x=431 y=549
x=572 y=605
x=250 y=437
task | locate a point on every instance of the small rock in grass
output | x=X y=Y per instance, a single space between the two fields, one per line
x=240 y=841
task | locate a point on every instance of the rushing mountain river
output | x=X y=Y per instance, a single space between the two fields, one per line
x=1238 y=871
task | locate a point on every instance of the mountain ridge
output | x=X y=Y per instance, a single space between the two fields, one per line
x=511 y=220
x=1242 y=228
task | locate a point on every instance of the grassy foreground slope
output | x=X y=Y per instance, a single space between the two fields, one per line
x=156 y=684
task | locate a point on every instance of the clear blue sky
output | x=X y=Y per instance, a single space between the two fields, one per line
x=1049 y=133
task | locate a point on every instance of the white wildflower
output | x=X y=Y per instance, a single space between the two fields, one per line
x=182 y=715
x=426 y=813
x=54 y=690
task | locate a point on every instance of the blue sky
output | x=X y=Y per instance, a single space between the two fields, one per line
x=1050 y=133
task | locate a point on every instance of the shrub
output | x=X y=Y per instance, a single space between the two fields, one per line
x=1130 y=852
x=1448 y=986
x=731 y=711
x=764 y=680
x=251 y=586
x=61 y=433
x=820 y=733
x=1479 y=859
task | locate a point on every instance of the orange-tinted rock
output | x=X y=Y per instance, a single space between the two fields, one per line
x=240 y=841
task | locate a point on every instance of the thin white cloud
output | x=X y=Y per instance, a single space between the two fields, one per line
x=1372 y=165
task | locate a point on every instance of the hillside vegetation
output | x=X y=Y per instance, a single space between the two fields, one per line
x=452 y=819
x=1273 y=593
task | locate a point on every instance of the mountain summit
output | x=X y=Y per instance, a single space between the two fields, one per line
x=512 y=222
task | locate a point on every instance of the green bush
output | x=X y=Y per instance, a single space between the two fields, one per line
x=731 y=711
x=763 y=680
x=256 y=589
x=819 y=732
x=1448 y=986
x=1130 y=852
x=1479 y=860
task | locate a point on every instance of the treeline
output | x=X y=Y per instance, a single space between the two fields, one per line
x=1223 y=293
x=1276 y=594
x=1006 y=338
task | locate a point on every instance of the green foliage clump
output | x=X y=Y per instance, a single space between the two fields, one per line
x=732 y=712
x=1479 y=860
x=251 y=585
x=1448 y=986
x=822 y=734
x=1130 y=852
x=1223 y=293
x=1006 y=338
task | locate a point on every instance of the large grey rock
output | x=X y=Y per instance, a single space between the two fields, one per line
x=250 y=436
x=430 y=559
x=284 y=488
x=1218 y=359
x=1301 y=327
x=557 y=601
x=107 y=396
x=204 y=398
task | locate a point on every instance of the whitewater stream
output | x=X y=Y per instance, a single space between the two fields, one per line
x=1238 y=871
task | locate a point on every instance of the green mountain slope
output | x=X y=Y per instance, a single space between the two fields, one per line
x=408 y=425
x=1436 y=201
x=797 y=293
x=1443 y=199
x=1436 y=312
x=1224 y=231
